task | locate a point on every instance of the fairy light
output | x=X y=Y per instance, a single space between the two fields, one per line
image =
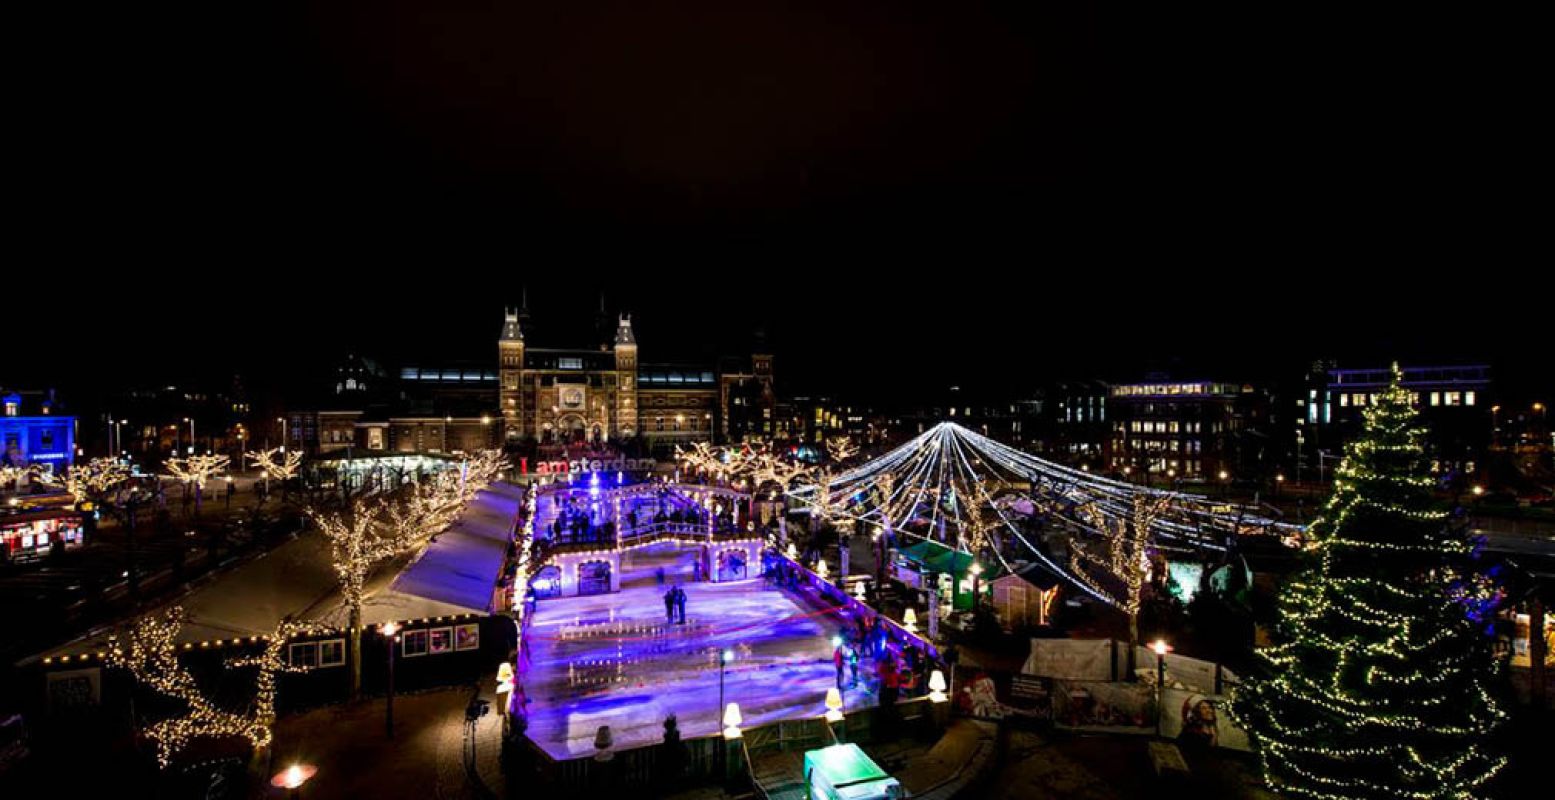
x=1117 y=563
x=278 y=464
x=84 y=480
x=369 y=530
x=1379 y=687
x=148 y=650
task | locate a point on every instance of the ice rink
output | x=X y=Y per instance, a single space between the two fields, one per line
x=612 y=660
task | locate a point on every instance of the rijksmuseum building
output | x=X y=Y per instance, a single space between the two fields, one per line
x=541 y=398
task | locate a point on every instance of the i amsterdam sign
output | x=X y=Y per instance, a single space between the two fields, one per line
x=599 y=464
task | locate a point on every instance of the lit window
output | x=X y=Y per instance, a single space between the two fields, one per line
x=1468 y=398
x=1436 y=398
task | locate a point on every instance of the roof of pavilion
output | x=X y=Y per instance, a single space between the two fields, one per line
x=459 y=571
x=455 y=575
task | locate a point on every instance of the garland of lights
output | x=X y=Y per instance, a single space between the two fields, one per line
x=83 y=481
x=1124 y=561
x=1378 y=689
x=149 y=652
x=278 y=464
x=370 y=530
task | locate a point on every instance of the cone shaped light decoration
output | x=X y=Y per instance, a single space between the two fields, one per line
x=732 y=720
x=833 y=704
x=910 y=620
x=937 y=687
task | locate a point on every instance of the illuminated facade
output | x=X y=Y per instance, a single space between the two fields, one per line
x=1183 y=430
x=554 y=396
x=1455 y=401
x=31 y=432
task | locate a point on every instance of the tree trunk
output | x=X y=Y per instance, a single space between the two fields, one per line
x=354 y=651
x=1133 y=642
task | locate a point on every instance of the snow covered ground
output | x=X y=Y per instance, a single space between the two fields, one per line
x=612 y=660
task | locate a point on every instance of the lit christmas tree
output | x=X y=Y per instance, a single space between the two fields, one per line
x=1379 y=686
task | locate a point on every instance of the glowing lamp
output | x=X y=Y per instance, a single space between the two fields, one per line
x=858 y=590
x=937 y=687
x=833 y=704
x=504 y=678
x=732 y=720
x=293 y=776
x=389 y=628
x=1160 y=647
x=793 y=552
x=910 y=620
x=820 y=569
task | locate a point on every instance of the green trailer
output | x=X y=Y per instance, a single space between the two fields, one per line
x=844 y=772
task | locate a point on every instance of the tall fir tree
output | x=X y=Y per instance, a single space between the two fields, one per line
x=1379 y=685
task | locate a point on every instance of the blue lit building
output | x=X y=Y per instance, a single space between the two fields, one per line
x=31 y=432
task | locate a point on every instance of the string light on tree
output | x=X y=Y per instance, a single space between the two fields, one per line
x=1378 y=687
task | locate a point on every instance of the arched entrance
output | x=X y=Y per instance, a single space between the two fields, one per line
x=570 y=429
x=547 y=582
x=732 y=565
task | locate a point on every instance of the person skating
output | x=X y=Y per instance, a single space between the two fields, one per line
x=680 y=604
x=838 y=659
x=669 y=606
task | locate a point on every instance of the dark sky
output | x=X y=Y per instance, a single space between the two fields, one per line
x=895 y=190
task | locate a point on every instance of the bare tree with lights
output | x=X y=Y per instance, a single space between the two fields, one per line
x=1117 y=564
x=93 y=480
x=369 y=530
x=149 y=650
x=277 y=464
x=195 y=470
x=359 y=540
x=10 y=476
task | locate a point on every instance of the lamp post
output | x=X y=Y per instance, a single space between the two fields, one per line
x=1160 y=647
x=190 y=420
x=723 y=661
x=388 y=629
x=977 y=570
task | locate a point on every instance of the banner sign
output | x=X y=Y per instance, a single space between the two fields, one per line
x=1201 y=720
x=990 y=695
x=570 y=466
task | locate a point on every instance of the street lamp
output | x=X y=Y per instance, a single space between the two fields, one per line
x=977 y=570
x=388 y=629
x=1160 y=647
x=723 y=661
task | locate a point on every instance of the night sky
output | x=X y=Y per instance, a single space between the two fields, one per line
x=898 y=192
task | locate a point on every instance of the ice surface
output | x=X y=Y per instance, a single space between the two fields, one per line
x=612 y=660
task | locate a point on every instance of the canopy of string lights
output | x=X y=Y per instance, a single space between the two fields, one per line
x=955 y=486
